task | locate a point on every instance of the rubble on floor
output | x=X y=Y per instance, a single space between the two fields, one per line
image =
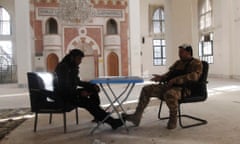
x=11 y=118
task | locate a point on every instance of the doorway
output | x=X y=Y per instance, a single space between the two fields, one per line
x=113 y=64
x=52 y=61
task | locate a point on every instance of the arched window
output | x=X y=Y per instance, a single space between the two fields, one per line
x=158 y=21
x=205 y=15
x=112 y=27
x=51 y=26
x=159 y=42
x=8 y=69
x=206 y=31
x=5 y=27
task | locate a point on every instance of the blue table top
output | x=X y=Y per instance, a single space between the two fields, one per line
x=117 y=80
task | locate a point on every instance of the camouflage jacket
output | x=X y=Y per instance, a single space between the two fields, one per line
x=182 y=72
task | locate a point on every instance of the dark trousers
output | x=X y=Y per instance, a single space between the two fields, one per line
x=92 y=105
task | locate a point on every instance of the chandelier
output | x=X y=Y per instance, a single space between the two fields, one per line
x=75 y=11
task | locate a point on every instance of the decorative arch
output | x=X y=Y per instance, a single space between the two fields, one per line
x=84 y=42
x=52 y=61
x=90 y=64
x=113 y=64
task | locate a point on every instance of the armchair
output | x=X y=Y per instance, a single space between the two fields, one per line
x=43 y=99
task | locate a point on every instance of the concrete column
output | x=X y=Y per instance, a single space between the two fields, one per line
x=23 y=40
x=134 y=38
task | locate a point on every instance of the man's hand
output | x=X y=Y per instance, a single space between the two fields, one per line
x=170 y=83
x=96 y=87
x=85 y=93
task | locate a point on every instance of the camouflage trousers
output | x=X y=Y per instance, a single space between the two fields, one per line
x=170 y=96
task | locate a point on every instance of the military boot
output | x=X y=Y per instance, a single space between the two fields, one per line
x=135 y=119
x=143 y=102
x=172 y=122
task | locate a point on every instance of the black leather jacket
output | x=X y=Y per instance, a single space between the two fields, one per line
x=67 y=81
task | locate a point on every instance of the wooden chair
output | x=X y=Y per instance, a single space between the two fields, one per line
x=43 y=99
x=199 y=94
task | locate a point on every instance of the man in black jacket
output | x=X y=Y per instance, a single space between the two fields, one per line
x=77 y=92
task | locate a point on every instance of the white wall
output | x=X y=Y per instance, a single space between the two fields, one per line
x=221 y=47
x=134 y=38
x=23 y=40
x=235 y=40
x=147 y=67
x=8 y=5
x=179 y=29
x=195 y=27
x=226 y=50
x=181 y=16
x=182 y=26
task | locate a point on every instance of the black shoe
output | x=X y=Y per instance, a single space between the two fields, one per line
x=116 y=123
x=124 y=115
x=95 y=120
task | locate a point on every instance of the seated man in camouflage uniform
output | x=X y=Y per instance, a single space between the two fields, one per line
x=170 y=89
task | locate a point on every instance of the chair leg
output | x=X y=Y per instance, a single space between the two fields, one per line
x=64 y=122
x=50 y=118
x=76 y=110
x=35 y=122
x=198 y=123
x=159 y=112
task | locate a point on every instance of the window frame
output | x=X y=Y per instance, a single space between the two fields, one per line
x=8 y=67
x=206 y=45
x=159 y=60
x=160 y=20
x=5 y=23
x=205 y=48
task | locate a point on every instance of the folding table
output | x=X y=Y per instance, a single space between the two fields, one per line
x=114 y=100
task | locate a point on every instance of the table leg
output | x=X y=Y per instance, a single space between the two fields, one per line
x=116 y=100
